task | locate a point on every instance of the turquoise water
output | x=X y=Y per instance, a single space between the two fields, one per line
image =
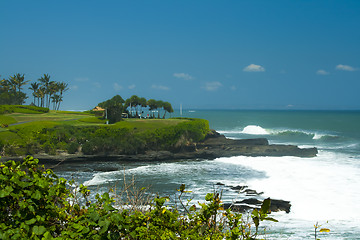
x=323 y=189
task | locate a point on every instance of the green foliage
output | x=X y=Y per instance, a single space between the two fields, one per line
x=114 y=108
x=36 y=204
x=22 y=109
x=126 y=137
x=32 y=200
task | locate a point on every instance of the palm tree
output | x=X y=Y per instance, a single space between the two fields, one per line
x=34 y=87
x=52 y=89
x=56 y=98
x=45 y=80
x=41 y=95
x=63 y=87
x=17 y=82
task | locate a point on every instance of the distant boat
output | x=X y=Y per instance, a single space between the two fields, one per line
x=192 y=111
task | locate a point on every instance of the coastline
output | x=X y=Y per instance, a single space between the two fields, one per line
x=214 y=146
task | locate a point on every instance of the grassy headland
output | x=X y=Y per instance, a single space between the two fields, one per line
x=34 y=130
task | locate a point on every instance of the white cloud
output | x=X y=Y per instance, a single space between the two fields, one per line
x=254 y=68
x=184 y=76
x=74 y=87
x=160 y=87
x=322 y=72
x=233 y=88
x=212 y=86
x=117 y=87
x=81 y=79
x=132 y=86
x=96 y=84
x=345 y=68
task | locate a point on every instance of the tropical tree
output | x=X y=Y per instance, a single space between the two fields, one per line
x=142 y=103
x=52 y=90
x=10 y=90
x=34 y=87
x=62 y=87
x=153 y=105
x=168 y=108
x=18 y=81
x=114 y=108
x=160 y=105
x=45 y=81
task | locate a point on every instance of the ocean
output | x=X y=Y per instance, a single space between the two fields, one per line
x=323 y=189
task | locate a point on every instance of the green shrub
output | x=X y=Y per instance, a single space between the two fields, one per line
x=36 y=204
x=72 y=147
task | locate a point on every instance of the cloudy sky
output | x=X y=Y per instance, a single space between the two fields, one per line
x=204 y=54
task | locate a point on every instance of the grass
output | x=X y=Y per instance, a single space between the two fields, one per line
x=147 y=124
x=7 y=120
x=50 y=116
x=29 y=122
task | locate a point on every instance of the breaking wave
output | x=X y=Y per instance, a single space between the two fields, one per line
x=258 y=130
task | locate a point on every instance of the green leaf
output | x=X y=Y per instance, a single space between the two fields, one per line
x=38 y=230
x=94 y=216
x=6 y=191
x=182 y=188
x=31 y=221
x=271 y=219
x=104 y=226
x=36 y=195
x=265 y=206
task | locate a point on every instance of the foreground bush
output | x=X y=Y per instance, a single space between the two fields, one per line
x=36 y=204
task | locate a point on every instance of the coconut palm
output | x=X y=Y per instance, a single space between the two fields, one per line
x=45 y=81
x=62 y=87
x=17 y=82
x=34 y=87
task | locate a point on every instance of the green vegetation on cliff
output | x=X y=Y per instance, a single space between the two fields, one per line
x=76 y=132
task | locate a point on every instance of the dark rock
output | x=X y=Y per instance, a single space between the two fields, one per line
x=237 y=208
x=219 y=184
x=238 y=188
x=251 y=203
x=280 y=205
x=214 y=146
x=251 y=192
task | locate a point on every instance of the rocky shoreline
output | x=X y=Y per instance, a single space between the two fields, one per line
x=214 y=146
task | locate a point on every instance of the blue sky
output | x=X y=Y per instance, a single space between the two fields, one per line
x=204 y=54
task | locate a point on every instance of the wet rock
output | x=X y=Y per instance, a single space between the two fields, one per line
x=238 y=188
x=252 y=203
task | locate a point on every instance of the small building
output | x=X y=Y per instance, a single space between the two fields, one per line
x=99 y=112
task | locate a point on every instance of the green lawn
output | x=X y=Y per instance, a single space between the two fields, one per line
x=50 y=116
x=27 y=122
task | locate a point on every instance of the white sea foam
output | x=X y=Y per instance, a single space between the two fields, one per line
x=258 y=130
x=320 y=189
x=255 y=130
x=102 y=178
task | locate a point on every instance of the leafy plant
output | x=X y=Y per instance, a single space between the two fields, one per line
x=36 y=204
